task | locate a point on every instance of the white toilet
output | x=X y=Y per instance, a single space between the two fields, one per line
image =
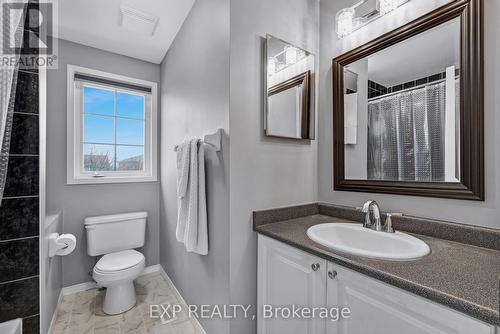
x=115 y=237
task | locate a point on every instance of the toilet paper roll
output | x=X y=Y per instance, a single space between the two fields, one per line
x=66 y=243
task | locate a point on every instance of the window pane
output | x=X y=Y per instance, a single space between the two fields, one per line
x=129 y=157
x=98 y=157
x=129 y=131
x=98 y=101
x=98 y=129
x=130 y=105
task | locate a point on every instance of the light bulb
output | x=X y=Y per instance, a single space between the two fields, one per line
x=290 y=55
x=300 y=55
x=387 y=6
x=271 y=65
x=280 y=66
x=345 y=22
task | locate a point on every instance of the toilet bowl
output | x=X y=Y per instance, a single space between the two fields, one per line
x=115 y=237
x=117 y=272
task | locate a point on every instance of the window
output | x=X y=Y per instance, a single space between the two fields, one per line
x=111 y=128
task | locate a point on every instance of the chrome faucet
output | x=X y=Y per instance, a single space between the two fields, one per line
x=376 y=225
x=368 y=207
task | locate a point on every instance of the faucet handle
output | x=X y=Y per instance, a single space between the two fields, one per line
x=388 y=223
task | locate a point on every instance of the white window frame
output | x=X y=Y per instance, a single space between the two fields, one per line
x=74 y=166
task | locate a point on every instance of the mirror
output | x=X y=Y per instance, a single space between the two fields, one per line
x=400 y=111
x=289 y=93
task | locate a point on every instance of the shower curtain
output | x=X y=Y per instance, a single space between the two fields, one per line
x=406 y=135
x=8 y=80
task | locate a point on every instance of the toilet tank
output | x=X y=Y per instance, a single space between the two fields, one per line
x=113 y=233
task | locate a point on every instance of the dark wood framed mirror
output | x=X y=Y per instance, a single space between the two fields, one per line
x=408 y=108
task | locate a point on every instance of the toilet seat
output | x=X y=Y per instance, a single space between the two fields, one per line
x=118 y=261
x=116 y=268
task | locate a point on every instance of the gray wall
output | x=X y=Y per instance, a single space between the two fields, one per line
x=53 y=270
x=80 y=201
x=265 y=172
x=481 y=213
x=195 y=102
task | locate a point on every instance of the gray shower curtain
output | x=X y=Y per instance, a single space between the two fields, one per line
x=406 y=135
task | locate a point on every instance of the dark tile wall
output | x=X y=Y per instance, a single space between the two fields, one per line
x=19 y=218
x=19 y=211
x=19 y=299
x=375 y=89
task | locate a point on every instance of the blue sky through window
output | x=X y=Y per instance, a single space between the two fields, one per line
x=130 y=105
x=98 y=101
x=113 y=129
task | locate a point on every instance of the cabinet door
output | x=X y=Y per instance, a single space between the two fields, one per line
x=378 y=308
x=287 y=277
x=332 y=297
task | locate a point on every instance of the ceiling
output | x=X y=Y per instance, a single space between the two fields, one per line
x=423 y=55
x=97 y=23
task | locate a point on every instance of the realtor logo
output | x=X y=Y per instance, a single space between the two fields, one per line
x=28 y=34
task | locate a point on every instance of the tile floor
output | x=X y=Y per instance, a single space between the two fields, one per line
x=81 y=313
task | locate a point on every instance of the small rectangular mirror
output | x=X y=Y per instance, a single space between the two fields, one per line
x=289 y=90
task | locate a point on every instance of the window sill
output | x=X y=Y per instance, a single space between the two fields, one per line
x=110 y=180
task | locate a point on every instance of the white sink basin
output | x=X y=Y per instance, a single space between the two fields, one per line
x=358 y=240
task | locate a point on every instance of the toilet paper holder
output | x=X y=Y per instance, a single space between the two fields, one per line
x=61 y=245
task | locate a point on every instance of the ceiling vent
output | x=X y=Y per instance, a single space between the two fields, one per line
x=135 y=20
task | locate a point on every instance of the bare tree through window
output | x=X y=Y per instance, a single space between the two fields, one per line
x=98 y=161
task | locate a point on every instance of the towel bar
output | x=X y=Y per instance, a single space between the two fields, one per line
x=213 y=140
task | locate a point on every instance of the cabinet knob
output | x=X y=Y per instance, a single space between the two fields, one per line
x=315 y=266
x=332 y=274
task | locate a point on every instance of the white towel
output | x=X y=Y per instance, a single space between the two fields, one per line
x=183 y=159
x=202 y=240
x=192 y=211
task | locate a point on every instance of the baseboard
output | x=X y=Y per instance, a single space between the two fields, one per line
x=92 y=285
x=152 y=269
x=78 y=288
x=197 y=324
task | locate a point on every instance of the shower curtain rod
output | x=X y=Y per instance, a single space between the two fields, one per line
x=409 y=89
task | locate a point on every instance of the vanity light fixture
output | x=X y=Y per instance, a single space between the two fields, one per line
x=291 y=55
x=345 y=22
x=288 y=57
x=271 y=65
x=387 y=6
x=363 y=12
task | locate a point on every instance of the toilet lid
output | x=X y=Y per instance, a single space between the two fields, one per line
x=119 y=260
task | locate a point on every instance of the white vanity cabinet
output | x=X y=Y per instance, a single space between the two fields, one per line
x=379 y=308
x=286 y=277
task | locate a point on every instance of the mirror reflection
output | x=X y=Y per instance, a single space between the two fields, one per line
x=402 y=110
x=289 y=97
